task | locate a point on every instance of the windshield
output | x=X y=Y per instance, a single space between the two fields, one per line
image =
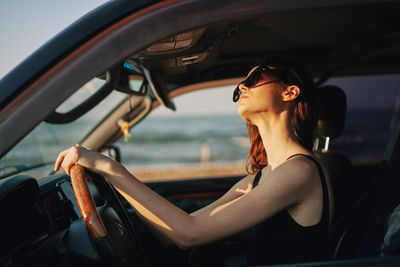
x=36 y=153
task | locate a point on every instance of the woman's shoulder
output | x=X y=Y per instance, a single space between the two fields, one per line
x=295 y=179
x=302 y=167
x=308 y=163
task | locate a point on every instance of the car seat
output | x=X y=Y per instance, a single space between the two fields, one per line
x=331 y=119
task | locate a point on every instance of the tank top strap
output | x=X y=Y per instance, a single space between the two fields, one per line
x=258 y=175
x=300 y=244
x=256 y=179
x=298 y=154
x=325 y=196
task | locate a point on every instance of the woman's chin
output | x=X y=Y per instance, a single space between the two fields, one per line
x=244 y=114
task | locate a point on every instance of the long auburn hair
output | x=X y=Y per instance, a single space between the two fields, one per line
x=304 y=117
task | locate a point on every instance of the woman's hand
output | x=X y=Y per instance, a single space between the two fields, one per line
x=87 y=158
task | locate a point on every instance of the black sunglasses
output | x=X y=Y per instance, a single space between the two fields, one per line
x=283 y=74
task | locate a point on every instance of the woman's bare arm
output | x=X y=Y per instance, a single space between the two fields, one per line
x=239 y=189
x=284 y=188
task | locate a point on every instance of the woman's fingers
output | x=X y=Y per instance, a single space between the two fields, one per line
x=70 y=159
x=66 y=159
x=59 y=160
x=79 y=155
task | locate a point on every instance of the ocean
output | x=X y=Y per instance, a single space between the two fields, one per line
x=169 y=140
x=179 y=140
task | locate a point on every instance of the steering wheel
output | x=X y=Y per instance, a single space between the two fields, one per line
x=112 y=232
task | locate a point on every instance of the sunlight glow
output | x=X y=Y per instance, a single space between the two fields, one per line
x=146 y=213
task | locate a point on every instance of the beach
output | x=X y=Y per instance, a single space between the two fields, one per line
x=195 y=171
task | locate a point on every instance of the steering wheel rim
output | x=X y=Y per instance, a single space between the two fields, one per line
x=95 y=225
x=87 y=207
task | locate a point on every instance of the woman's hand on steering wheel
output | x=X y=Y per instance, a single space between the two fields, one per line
x=87 y=158
x=112 y=227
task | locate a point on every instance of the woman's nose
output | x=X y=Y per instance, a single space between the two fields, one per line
x=243 y=87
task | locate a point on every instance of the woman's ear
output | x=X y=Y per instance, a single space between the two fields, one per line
x=291 y=93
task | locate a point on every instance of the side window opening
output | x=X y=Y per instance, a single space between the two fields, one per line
x=373 y=104
x=206 y=133
x=205 y=137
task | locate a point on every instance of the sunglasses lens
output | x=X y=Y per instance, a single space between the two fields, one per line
x=253 y=78
x=236 y=94
x=250 y=81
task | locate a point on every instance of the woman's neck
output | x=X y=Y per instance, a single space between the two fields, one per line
x=278 y=141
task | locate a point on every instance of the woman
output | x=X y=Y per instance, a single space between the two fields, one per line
x=285 y=203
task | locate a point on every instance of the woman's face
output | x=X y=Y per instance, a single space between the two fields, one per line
x=263 y=97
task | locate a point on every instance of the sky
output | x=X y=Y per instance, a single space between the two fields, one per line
x=25 y=25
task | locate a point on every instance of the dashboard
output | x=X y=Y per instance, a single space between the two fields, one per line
x=33 y=213
x=40 y=222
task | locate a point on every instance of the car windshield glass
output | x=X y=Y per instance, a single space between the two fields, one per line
x=36 y=153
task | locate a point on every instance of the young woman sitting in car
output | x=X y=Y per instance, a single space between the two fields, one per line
x=285 y=204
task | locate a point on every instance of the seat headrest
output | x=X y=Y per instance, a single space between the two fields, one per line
x=332 y=111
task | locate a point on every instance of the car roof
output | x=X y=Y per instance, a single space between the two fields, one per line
x=331 y=40
x=330 y=37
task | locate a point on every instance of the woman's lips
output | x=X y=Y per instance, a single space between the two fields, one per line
x=242 y=97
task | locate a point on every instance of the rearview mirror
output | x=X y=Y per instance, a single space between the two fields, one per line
x=85 y=98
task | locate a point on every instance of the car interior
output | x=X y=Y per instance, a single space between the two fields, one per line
x=42 y=222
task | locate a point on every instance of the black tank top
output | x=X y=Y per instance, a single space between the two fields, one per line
x=280 y=239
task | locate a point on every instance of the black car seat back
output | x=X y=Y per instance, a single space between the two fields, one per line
x=331 y=120
x=364 y=234
x=332 y=112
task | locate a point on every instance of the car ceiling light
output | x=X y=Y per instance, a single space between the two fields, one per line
x=177 y=42
x=189 y=60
